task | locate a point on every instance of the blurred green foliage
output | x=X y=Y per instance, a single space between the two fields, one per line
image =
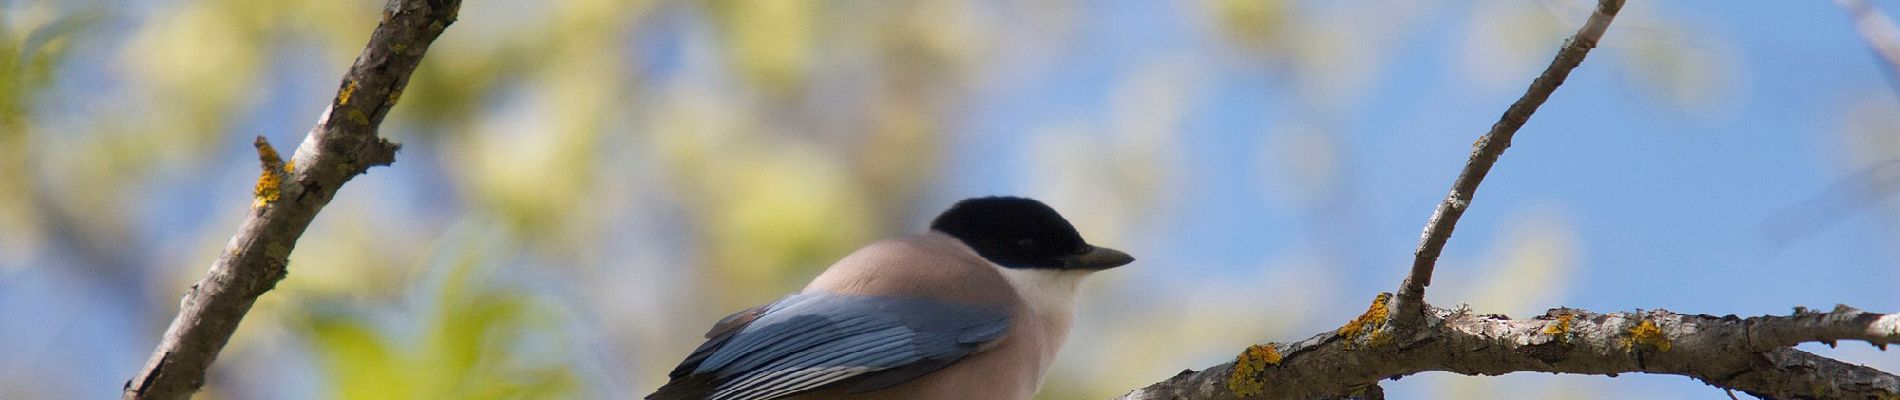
x=33 y=45
x=459 y=343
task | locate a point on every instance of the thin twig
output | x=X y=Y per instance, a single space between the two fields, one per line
x=1881 y=34
x=288 y=196
x=1411 y=296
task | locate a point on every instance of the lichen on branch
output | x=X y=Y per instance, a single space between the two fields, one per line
x=1723 y=351
x=344 y=144
x=270 y=182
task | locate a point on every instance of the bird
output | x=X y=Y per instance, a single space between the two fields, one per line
x=974 y=308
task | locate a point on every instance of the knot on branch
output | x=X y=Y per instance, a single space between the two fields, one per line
x=381 y=153
x=1371 y=325
x=270 y=183
x=1244 y=380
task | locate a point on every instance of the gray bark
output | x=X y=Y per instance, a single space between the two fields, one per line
x=1752 y=355
x=342 y=145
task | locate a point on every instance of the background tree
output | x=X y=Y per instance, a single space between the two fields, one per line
x=585 y=184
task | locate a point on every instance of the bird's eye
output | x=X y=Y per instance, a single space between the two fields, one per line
x=1026 y=243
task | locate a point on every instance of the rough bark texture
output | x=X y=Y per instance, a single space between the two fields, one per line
x=342 y=145
x=1485 y=153
x=1746 y=354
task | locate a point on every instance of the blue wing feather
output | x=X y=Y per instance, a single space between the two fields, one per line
x=810 y=341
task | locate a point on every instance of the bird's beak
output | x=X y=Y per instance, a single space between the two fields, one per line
x=1096 y=259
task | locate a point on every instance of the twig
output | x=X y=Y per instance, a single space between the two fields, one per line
x=288 y=196
x=1880 y=33
x=1751 y=355
x=1411 y=295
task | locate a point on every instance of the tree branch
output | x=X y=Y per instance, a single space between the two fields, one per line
x=342 y=145
x=1411 y=298
x=1401 y=336
x=1750 y=355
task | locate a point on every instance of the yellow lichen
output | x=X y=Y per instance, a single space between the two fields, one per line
x=343 y=96
x=1244 y=380
x=266 y=189
x=271 y=180
x=1368 y=324
x=267 y=154
x=1559 y=328
x=1646 y=334
x=1270 y=353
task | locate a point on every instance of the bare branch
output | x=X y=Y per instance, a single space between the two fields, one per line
x=1401 y=336
x=1411 y=298
x=1750 y=354
x=289 y=195
x=1880 y=33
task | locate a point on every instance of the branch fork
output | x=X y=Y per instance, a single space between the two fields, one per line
x=1401 y=335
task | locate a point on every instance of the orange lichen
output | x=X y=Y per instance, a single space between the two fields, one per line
x=1244 y=380
x=1269 y=353
x=1560 y=328
x=1646 y=334
x=266 y=189
x=270 y=182
x=1369 y=324
x=343 y=96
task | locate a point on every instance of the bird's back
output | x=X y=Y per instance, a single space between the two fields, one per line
x=931 y=265
x=956 y=274
x=898 y=319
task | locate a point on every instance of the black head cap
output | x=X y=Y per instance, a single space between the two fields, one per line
x=1017 y=232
